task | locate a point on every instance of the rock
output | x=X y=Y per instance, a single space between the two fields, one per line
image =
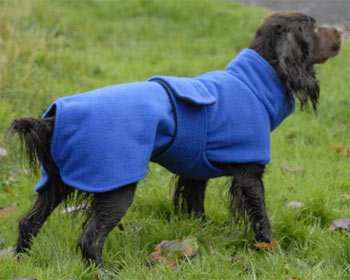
x=3 y=153
x=341 y=224
x=294 y=204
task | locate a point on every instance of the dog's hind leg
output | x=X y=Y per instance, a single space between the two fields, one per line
x=189 y=196
x=107 y=209
x=248 y=198
x=46 y=202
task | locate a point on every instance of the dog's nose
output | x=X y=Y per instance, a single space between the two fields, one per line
x=336 y=47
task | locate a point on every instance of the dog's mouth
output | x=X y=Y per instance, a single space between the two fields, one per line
x=321 y=60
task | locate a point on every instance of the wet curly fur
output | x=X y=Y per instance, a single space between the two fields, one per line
x=291 y=42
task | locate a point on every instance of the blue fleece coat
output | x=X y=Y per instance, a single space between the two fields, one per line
x=104 y=139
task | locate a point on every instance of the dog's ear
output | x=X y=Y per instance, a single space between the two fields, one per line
x=295 y=66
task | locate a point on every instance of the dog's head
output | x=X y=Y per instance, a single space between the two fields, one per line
x=292 y=43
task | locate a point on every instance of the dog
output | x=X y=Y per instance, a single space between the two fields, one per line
x=218 y=124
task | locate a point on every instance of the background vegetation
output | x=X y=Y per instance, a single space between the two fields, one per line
x=55 y=48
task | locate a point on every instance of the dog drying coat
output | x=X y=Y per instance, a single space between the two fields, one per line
x=105 y=138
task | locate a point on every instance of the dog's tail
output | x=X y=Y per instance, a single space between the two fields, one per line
x=35 y=136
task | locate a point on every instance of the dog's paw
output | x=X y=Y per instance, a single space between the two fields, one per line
x=267 y=246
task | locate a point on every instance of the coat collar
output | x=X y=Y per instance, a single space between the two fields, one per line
x=262 y=79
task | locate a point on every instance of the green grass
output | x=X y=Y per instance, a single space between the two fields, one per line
x=54 y=48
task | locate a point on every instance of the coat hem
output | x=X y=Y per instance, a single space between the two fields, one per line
x=104 y=189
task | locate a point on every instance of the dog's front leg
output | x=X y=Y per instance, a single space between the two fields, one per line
x=248 y=198
x=189 y=196
x=107 y=209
